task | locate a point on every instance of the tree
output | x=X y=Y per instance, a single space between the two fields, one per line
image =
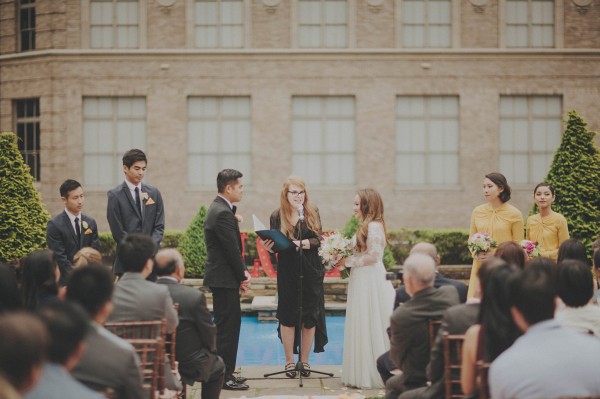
x=193 y=247
x=575 y=176
x=23 y=216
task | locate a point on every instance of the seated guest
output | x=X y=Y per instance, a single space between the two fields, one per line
x=495 y=331
x=511 y=253
x=10 y=298
x=548 y=360
x=575 y=289
x=430 y=250
x=22 y=353
x=67 y=326
x=110 y=363
x=409 y=340
x=196 y=332
x=134 y=298
x=86 y=256
x=39 y=279
x=572 y=249
x=457 y=319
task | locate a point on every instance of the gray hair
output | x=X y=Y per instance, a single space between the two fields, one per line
x=421 y=268
x=424 y=248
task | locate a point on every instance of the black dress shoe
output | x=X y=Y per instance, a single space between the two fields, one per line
x=240 y=380
x=231 y=385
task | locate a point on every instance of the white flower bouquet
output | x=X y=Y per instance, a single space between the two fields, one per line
x=334 y=248
x=531 y=248
x=481 y=242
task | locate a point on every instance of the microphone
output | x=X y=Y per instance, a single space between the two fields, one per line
x=300 y=210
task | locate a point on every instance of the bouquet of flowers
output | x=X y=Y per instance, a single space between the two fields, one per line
x=532 y=248
x=481 y=242
x=333 y=248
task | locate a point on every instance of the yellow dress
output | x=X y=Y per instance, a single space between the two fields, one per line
x=504 y=223
x=549 y=231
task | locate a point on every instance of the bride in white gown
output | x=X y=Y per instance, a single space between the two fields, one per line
x=370 y=296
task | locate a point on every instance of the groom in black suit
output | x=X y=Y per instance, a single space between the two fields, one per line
x=134 y=206
x=225 y=272
x=70 y=230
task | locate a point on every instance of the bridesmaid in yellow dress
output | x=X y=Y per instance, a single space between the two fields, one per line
x=548 y=228
x=497 y=217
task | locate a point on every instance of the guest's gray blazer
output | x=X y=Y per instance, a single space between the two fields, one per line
x=110 y=362
x=62 y=240
x=124 y=217
x=136 y=299
x=57 y=383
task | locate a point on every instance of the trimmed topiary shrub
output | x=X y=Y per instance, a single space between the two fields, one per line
x=23 y=216
x=192 y=245
x=575 y=176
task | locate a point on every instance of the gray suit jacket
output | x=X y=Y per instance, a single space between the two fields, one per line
x=110 y=362
x=136 y=299
x=62 y=240
x=224 y=267
x=196 y=334
x=57 y=383
x=409 y=340
x=124 y=217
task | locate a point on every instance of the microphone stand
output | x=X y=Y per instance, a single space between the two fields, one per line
x=299 y=366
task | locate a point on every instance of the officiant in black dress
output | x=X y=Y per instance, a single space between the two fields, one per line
x=287 y=220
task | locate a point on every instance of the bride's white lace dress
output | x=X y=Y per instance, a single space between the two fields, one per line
x=369 y=307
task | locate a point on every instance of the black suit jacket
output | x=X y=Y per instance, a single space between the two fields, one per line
x=224 y=267
x=124 y=217
x=196 y=334
x=409 y=340
x=402 y=296
x=62 y=240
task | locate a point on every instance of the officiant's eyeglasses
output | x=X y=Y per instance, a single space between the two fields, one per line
x=297 y=193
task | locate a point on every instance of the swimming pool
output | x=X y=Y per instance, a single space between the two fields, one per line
x=260 y=346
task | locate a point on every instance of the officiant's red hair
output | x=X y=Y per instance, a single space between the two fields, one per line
x=286 y=209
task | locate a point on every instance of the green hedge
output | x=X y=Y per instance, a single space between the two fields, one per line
x=451 y=245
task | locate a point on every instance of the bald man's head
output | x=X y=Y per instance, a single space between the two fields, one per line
x=426 y=248
x=169 y=262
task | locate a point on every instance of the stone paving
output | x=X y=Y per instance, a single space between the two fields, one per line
x=280 y=385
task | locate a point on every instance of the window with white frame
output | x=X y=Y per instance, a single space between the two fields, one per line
x=26 y=25
x=427 y=140
x=323 y=148
x=426 y=23
x=219 y=137
x=27 y=126
x=529 y=23
x=114 y=24
x=111 y=126
x=323 y=23
x=530 y=132
x=219 y=23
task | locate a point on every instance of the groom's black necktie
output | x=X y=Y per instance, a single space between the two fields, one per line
x=233 y=209
x=78 y=230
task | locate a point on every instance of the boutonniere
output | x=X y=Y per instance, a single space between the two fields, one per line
x=84 y=224
x=147 y=200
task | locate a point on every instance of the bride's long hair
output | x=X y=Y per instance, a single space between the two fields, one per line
x=286 y=209
x=371 y=209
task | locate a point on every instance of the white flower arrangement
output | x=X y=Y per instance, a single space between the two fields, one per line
x=334 y=248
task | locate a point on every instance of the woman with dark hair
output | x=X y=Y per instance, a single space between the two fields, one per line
x=496 y=330
x=502 y=221
x=287 y=219
x=39 y=279
x=572 y=249
x=10 y=299
x=548 y=228
x=511 y=253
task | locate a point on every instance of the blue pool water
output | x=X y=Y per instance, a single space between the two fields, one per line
x=260 y=346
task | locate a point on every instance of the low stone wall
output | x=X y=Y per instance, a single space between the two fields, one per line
x=335 y=288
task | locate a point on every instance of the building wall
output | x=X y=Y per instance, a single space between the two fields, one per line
x=167 y=70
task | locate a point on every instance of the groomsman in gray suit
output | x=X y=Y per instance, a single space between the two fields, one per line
x=134 y=206
x=70 y=230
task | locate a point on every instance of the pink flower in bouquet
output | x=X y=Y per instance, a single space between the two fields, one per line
x=481 y=242
x=532 y=248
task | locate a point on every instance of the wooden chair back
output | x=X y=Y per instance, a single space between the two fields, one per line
x=433 y=327
x=481 y=378
x=149 y=352
x=452 y=365
x=148 y=329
